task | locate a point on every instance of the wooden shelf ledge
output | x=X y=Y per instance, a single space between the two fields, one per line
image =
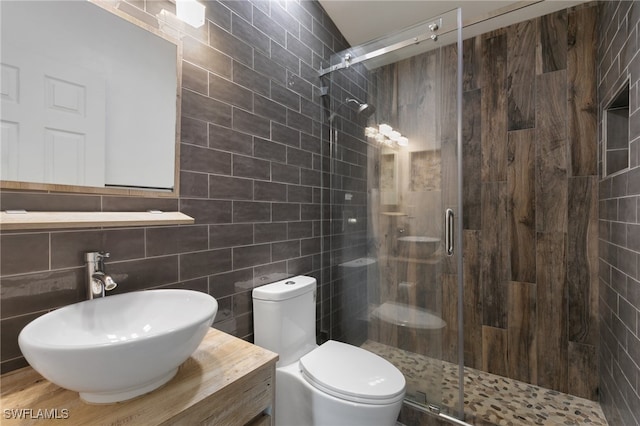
x=64 y=220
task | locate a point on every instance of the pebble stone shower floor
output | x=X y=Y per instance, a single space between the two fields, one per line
x=491 y=399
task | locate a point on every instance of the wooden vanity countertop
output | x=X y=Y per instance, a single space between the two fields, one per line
x=225 y=381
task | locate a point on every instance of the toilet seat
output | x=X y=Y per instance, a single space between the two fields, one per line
x=353 y=374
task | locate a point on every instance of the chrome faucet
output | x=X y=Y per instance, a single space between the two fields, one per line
x=97 y=280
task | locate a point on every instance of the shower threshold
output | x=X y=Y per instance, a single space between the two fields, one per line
x=489 y=399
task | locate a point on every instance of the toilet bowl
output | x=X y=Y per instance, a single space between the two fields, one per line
x=331 y=384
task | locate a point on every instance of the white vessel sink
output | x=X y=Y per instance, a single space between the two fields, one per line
x=118 y=347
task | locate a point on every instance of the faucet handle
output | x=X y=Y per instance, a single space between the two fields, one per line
x=100 y=256
x=96 y=256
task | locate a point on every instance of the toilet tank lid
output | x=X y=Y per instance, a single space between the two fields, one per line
x=285 y=289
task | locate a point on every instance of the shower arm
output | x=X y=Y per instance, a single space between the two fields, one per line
x=346 y=101
x=362 y=106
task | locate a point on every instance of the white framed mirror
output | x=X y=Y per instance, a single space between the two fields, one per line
x=90 y=100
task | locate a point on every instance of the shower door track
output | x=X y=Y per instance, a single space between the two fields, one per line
x=347 y=60
x=439 y=415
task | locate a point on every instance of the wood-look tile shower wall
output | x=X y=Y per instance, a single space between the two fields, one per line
x=531 y=202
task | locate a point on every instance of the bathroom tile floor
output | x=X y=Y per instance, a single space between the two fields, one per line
x=489 y=399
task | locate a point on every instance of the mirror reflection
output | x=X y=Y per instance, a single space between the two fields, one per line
x=88 y=98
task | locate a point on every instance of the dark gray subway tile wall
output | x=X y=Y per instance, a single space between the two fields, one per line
x=250 y=133
x=619 y=248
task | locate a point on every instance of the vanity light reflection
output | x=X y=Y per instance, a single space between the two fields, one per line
x=385 y=134
x=113 y=338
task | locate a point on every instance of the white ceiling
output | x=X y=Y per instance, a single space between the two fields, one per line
x=364 y=20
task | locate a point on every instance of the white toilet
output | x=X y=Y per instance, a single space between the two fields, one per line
x=328 y=385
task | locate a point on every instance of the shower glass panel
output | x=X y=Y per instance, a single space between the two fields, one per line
x=392 y=110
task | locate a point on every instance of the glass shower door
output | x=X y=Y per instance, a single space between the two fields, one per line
x=393 y=107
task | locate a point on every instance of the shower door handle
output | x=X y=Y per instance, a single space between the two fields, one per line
x=448 y=233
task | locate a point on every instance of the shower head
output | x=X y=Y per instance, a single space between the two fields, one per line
x=364 y=109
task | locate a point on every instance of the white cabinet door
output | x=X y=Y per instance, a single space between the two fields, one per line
x=53 y=121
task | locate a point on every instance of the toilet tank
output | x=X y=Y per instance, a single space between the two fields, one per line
x=284 y=317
